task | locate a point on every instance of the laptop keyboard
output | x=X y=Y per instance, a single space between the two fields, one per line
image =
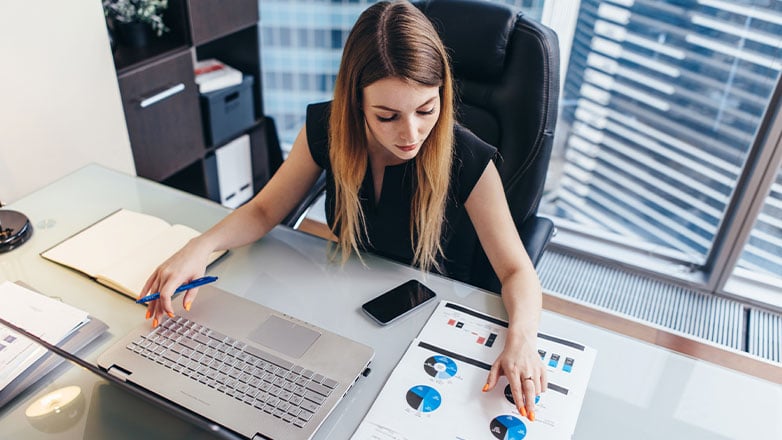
x=249 y=375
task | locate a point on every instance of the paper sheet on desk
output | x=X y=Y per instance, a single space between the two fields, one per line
x=435 y=390
x=50 y=319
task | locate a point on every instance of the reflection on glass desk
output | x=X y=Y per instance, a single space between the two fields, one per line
x=637 y=390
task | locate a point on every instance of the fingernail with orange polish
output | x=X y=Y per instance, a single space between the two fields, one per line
x=532 y=416
x=187 y=305
x=486 y=388
x=170 y=315
x=149 y=314
x=154 y=323
x=523 y=411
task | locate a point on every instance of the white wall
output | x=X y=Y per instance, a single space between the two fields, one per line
x=60 y=106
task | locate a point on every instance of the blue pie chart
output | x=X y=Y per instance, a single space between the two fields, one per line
x=440 y=367
x=423 y=398
x=508 y=428
x=509 y=396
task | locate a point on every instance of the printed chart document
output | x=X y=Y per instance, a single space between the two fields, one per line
x=47 y=318
x=121 y=250
x=435 y=390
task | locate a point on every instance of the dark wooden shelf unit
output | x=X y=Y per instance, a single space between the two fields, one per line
x=161 y=99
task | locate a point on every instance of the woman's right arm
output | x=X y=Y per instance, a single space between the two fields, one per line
x=245 y=225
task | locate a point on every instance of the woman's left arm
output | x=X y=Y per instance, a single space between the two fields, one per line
x=521 y=291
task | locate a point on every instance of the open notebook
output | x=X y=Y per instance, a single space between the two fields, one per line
x=121 y=250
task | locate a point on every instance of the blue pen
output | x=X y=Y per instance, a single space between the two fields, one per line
x=182 y=288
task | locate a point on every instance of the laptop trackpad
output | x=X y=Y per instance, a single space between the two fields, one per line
x=284 y=336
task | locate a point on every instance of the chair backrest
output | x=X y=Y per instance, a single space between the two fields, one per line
x=506 y=68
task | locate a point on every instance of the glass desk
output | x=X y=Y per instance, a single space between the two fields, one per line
x=637 y=390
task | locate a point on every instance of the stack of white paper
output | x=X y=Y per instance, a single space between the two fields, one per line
x=213 y=74
x=47 y=318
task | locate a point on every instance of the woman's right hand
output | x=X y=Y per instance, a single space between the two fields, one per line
x=245 y=225
x=184 y=266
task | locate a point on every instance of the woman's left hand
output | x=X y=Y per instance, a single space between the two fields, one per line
x=520 y=363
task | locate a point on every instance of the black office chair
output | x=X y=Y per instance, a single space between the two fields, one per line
x=506 y=68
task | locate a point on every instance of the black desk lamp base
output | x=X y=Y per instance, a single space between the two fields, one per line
x=15 y=229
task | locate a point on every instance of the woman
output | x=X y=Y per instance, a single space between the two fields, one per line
x=401 y=174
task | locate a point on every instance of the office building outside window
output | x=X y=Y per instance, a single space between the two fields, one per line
x=660 y=106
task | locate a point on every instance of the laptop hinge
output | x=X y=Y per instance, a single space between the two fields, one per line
x=119 y=373
x=260 y=436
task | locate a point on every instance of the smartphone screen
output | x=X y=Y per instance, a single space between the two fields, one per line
x=398 y=301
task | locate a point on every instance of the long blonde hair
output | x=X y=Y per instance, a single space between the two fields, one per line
x=391 y=39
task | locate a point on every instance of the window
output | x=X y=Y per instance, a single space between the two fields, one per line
x=758 y=273
x=763 y=252
x=660 y=105
x=311 y=58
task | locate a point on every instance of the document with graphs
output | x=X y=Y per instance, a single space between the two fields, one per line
x=435 y=389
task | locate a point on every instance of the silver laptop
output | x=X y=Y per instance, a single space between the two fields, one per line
x=252 y=370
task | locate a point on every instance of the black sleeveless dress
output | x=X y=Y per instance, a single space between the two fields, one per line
x=388 y=220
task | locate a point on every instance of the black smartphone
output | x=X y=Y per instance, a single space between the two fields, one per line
x=398 y=302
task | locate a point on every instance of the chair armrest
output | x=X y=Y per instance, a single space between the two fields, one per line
x=535 y=233
x=294 y=218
